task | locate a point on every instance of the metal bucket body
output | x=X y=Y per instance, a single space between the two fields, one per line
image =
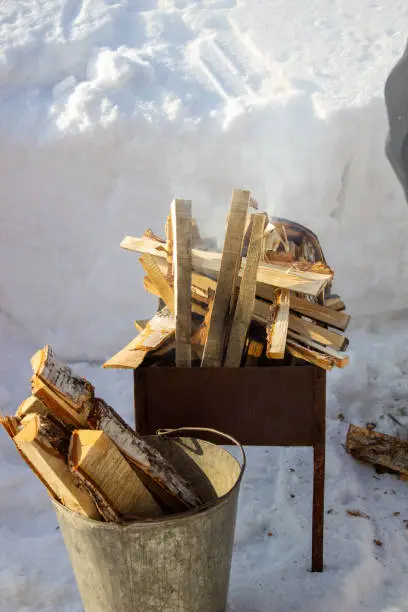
x=178 y=563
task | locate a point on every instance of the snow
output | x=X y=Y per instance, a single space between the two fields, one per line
x=109 y=109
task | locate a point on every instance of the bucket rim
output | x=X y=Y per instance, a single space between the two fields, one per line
x=178 y=515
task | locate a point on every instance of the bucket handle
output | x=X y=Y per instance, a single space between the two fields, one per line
x=164 y=432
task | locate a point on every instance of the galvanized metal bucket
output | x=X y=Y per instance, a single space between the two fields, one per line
x=177 y=563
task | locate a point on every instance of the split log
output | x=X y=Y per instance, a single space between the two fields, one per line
x=163 y=288
x=340 y=359
x=11 y=425
x=277 y=326
x=314 y=357
x=172 y=488
x=378 y=448
x=227 y=279
x=59 y=376
x=159 y=329
x=57 y=404
x=32 y=405
x=301 y=277
x=44 y=449
x=99 y=461
x=182 y=230
x=246 y=297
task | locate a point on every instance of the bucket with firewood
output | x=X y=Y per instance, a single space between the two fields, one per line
x=179 y=562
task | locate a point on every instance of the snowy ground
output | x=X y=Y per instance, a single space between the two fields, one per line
x=107 y=111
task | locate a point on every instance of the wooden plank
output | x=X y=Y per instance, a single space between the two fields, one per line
x=340 y=359
x=277 y=327
x=200 y=335
x=169 y=248
x=163 y=287
x=305 y=328
x=335 y=302
x=303 y=279
x=246 y=297
x=331 y=317
x=377 y=448
x=181 y=224
x=159 y=329
x=49 y=464
x=307 y=354
x=11 y=425
x=98 y=459
x=213 y=350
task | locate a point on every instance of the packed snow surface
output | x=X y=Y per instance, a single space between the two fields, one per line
x=110 y=109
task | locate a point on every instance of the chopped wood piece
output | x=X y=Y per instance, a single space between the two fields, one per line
x=302 y=352
x=246 y=297
x=377 y=448
x=49 y=464
x=320 y=313
x=357 y=513
x=277 y=327
x=150 y=234
x=159 y=329
x=340 y=359
x=162 y=285
x=200 y=335
x=11 y=425
x=255 y=348
x=31 y=405
x=169 y=248
x=57 y=404
x=97 y=458
x=230 y=262
x=307 y=329
x=302 y=277
x=181 y=224
x=60 y=377
x=172 y=488
x=335 y=302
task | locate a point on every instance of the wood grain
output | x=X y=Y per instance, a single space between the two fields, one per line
x=213 y=350
x=277 y=326
x=182 y=265
x=246 y=297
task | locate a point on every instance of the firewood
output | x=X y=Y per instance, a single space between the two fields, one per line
x=302 y=277
x=303 y=327
x=44 y=449
x=173 y=488
x=159 y=329
x=162 y=285
x=32 y=405
x=227 y=278
x=378 y=448
x=320 y=313
x=169 y=248
x=97 y=458
x=200 y=335
x=57 y=404
x=314 y=357
x=182 y=229
x=277 y=326
x=59 y=376
x=340 y=359
x=335 y=302
x=246 y=297
x=11 y=425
